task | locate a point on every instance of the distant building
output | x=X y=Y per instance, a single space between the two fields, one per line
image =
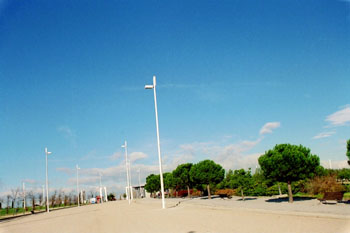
x=137 y=191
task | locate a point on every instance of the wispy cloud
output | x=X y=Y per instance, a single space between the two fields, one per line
x=324 y=135
x=68 y=133
x=336 y=164
x=340 y=118
x=134 y=156
x=268 y=127
x=231 y=156
x=115 y=156
x=30 y=181
x=66 y=170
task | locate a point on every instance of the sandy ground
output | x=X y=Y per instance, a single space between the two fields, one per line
x=189 y=216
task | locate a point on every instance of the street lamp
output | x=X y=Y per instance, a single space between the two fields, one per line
x=101 y=201
x=78 y=168
x=24 y=197
x=139 y=184
x=125 y=146
x=47 y=183
x=157 y=126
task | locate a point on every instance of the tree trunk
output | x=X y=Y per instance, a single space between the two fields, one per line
x=242 y=194
x=279 y=189
x=188 y=192
x=33 y=205
x=208 y=188
x=290 y=194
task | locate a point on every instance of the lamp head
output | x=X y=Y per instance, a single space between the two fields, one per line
x=148 y=86
x=47 y=152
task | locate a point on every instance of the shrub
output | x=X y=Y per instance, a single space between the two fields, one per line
x=225 y=192
x=273 y=190
x=196 y=193
x=324 y=184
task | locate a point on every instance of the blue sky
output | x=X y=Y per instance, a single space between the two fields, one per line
x=234 y=79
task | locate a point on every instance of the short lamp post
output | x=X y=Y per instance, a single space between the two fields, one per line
x=125 y=146
x=47 y=183
x=78 y=193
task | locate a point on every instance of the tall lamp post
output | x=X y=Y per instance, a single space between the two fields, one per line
x=101 y=201
x=47 y=183
x=78 y=193
x=139 y=184
x=24 y=197
x=157 y=126
x=125 y=146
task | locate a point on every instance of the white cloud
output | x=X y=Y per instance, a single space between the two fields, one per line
x=229 y=155
x=68 y=134
x=66 y=170
x=324 y=135
x=340 y=117
x=268 y=127
x=336 y=164
x=134 y=156
x=30 y=181
x=115 y=156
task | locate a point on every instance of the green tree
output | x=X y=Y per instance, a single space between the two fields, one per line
x=182 y=176
x=348 y=150
x=243 y=180
x=152 y=183
x=169 y=182
x=207 y=173
x=111 y=197
x=288 y=163
x=238 y=179
x=344 y=174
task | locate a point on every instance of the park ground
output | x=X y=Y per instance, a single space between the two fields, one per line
x=189 y=216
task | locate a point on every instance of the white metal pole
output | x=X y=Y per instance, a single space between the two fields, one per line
x=47 y=186
x=158 y=141
x=101 y=199
x=131 y=192
x=78 y=193
x=24 y=197
x=139 y=184
x=127 y=171
x=105 y=194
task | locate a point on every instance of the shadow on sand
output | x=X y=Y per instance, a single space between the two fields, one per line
x=247 y=199
x=285 y=199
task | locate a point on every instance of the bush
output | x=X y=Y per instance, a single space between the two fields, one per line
x=196 y=193
x=273 y=190
x=225 y=192
x=324 y=184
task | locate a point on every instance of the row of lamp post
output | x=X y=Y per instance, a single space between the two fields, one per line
x=127 y=162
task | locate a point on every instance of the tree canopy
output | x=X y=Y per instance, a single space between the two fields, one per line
x=207 y=172
x=238 y=179
x=169 y=182
x=182 y=176
x=287 y=163
x=152 y=183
